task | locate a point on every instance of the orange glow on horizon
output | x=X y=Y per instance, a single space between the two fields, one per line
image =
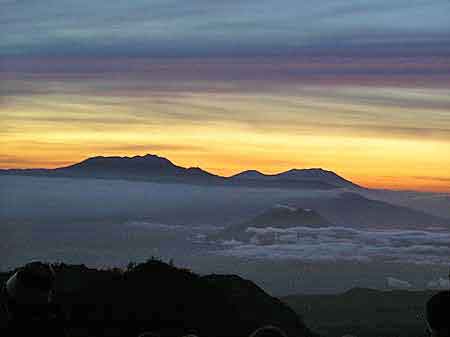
x=401 y=143
x=394 y=182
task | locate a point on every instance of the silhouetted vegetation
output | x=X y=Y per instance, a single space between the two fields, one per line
x=158 y=297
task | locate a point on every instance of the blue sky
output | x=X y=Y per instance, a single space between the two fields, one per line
x=202 y=27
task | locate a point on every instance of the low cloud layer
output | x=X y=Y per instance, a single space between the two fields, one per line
x=440 y=283
x=348 y=244
x=394 y=283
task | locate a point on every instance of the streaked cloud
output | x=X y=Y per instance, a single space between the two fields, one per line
x=245 y=113
x=198 y=27
x=346 y=85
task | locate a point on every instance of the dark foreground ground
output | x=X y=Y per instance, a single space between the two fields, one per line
x=364 y=312
x=155 y=296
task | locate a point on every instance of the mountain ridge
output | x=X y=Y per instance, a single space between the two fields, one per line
x=297 y=174
x=154 y=167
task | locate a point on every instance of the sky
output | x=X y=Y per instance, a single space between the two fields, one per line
x=358 y=87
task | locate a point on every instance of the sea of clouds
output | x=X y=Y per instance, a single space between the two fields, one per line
x=347 y=244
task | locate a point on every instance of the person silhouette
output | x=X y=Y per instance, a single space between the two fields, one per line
x=438 y=314
x=29 y=302
x=268 y=331
x=151 y=334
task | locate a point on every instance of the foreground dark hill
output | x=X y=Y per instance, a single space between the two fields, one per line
x=364 y=312
x=159 y=297
x=159 y=169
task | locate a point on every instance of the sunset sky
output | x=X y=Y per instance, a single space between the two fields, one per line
x=358 y=87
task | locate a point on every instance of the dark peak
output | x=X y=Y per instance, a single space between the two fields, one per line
x=290 y=211
x=286 y=216
x=154 y=265
x=295 y=174
x=317 y=174
x=148 y=158
x=152 y=158
x=314 y=170
x=250 y=174
x=95 y=158
x=359 y=291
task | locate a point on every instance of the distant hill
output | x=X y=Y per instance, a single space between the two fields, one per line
x=364 y=312
x=158 y=297
x=279 y=216
x=344 y=209
x=154 y=168
x=352 y=209
x=285 y=217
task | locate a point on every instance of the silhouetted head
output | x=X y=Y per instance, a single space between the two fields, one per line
x=29 y=290
x=148 y=334
x=268 y=331
x=437 y=314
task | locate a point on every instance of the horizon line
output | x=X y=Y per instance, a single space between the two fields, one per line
x=365 y=185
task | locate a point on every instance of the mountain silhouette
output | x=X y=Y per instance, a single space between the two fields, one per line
x=141 y=168
x=137 y=167
x=158 y=297
x=282 y=216
x=312 y=174
x=159 y=169
x=352 y=209
x=279 y=216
